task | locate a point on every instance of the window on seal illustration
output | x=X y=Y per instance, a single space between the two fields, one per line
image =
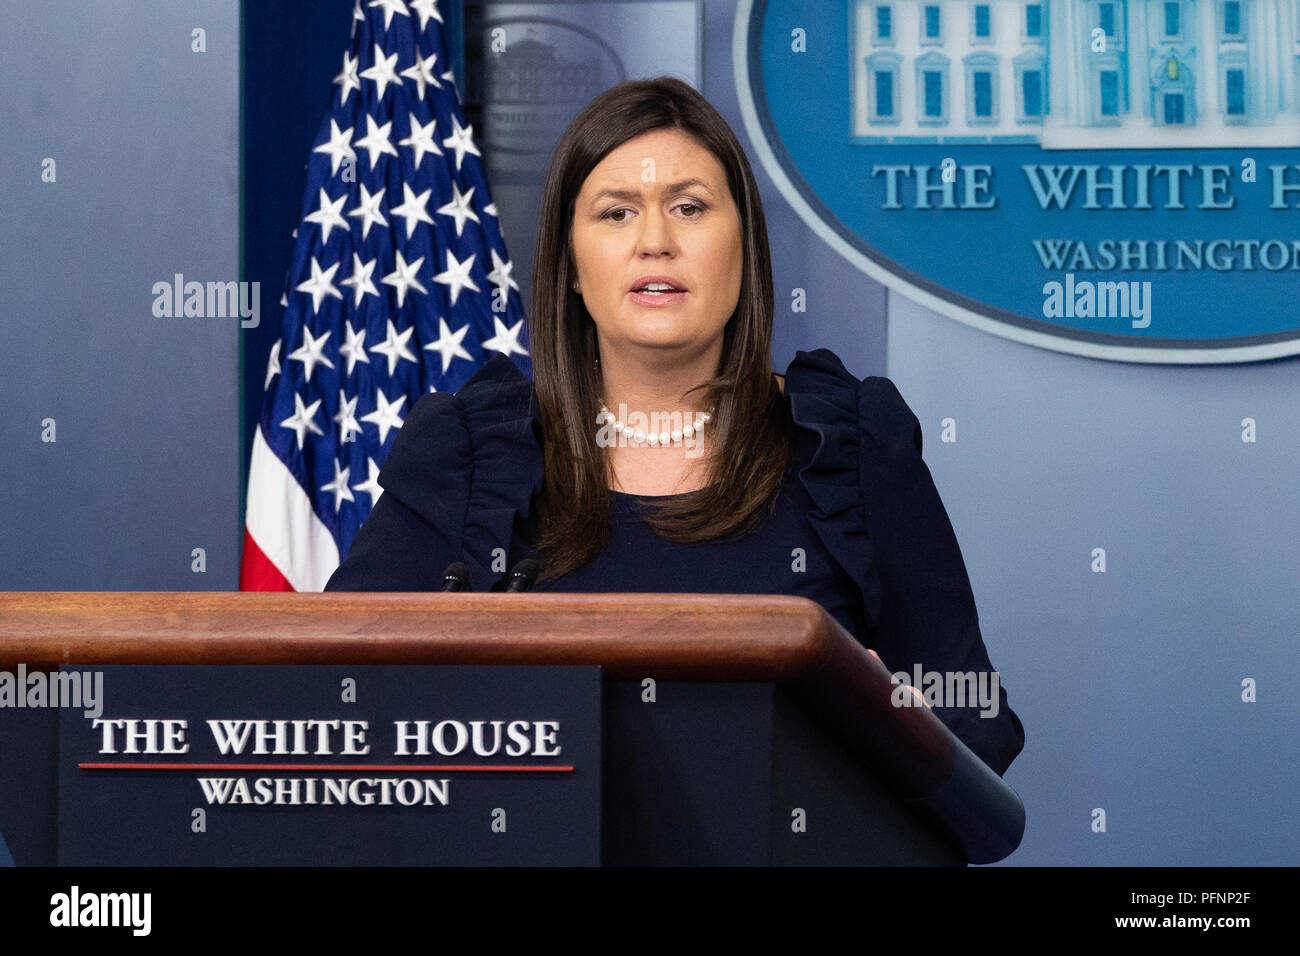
x=981 y=24
x=884 y=93
x=883 y=88
x=1109 y=80
x=981 y=89
x=1031 y=88
x=932 y=89
x=1231 y=18
x=1174 y=113
x=1173 y=9
x=882 y=24
x=933 y=80
x=1235 y=100
x=931 y=24
x=1106 y=19
x=983 y=81
x=1033 y=21
x=1031 y=82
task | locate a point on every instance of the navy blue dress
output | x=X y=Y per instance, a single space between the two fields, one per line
x=858 y=527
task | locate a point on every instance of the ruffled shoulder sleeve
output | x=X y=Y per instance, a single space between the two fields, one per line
x=878 y=512
x=824 y=405
x=459 y=478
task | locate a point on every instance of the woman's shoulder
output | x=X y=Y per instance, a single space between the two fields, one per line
x=497 y=388
x=857 y=454
x=827 y=397
x=444 y=427
x=461 y=454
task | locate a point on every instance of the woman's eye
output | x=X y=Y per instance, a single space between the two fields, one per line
x=697 y=207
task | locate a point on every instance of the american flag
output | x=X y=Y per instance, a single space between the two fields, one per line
x=399 y=285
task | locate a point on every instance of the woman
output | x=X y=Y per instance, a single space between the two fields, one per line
x=657 y=452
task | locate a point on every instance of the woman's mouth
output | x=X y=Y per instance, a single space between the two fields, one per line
x=657 y=293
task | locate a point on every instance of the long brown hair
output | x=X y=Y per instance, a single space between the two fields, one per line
x=750 y=428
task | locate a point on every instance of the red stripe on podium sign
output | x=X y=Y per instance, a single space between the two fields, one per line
x=372 y=768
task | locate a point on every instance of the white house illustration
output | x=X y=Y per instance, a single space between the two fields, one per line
x=1077 y=74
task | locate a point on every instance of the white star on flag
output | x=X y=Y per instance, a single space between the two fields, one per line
x=338 y=487
x=456 y=276
x=390 y=7
x=311 y=353
x=354 y=349
x=500 y=274
x=327 y=215
x=421 y=139
x=422 y=73
x=505 y=341
x=346 y=418
x=360 y=279
x=388 y=415
x=320 y=284
x=403 y=278
x=371 y=485
x=448 y=344
x=301 y=419
x=368 y=210
x=273 y=365
x=382 y=73
x=427 y=9
x=459 y=208
x=338 y=147
x=377 y=142
x=347 y=79
x=394 y=346
x=461 y=140
x=412 y=209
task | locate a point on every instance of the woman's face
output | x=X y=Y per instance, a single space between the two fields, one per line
x=658 y=206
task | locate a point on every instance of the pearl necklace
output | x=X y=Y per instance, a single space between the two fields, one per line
x=638 y=437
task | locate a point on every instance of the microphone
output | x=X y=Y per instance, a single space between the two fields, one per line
x=523 y=575
x=456 y=577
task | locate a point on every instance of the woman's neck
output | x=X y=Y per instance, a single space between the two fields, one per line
x=656 y=381
x=648 y=389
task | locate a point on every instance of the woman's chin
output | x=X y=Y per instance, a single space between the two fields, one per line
x=666 y=334
x=668 y=342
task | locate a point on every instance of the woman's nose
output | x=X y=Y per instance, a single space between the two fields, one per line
x=656 y=232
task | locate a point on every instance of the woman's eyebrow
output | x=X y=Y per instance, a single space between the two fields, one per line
x=630 y=194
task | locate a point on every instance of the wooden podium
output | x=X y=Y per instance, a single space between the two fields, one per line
x=766 y=710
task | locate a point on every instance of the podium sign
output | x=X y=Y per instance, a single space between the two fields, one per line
x=456 y=728
x=333 y=765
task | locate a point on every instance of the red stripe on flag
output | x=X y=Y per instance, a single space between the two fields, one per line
x=256 y=572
